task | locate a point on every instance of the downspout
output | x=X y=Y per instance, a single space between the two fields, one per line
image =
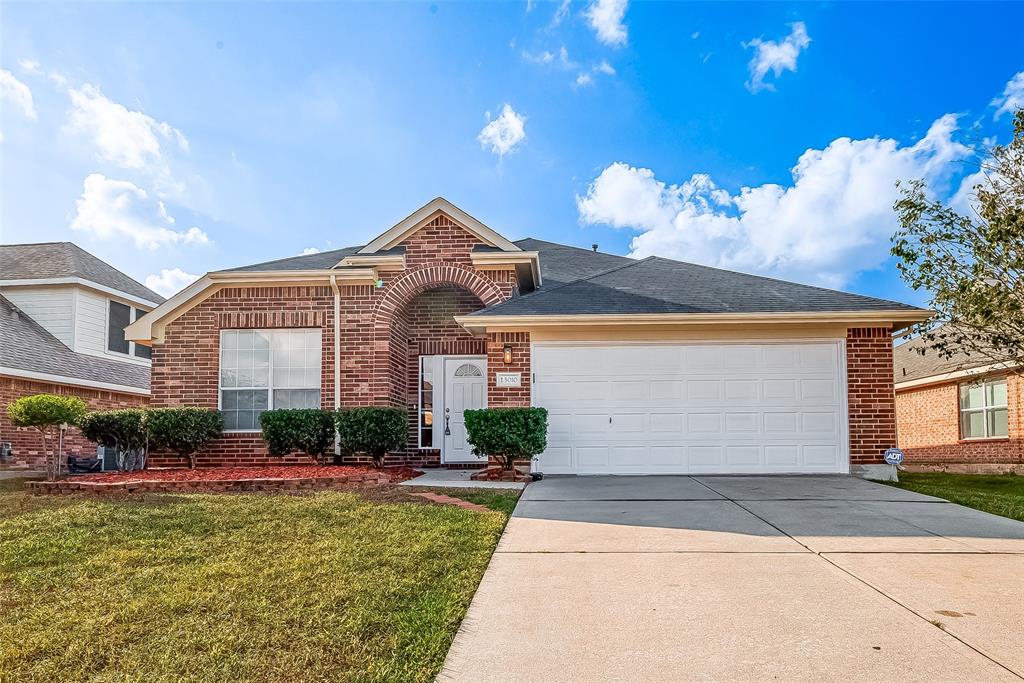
x=337 y=355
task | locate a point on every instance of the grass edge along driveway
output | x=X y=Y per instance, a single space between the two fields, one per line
x=331 y=586
x=1000 y=494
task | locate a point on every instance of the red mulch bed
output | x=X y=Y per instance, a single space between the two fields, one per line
x=246 y=473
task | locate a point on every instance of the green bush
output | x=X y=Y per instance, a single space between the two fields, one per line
x=125 y=430
x=43 y=412
x=184 y=431
x=310 y=430
x=507 y=433
x=374 y=431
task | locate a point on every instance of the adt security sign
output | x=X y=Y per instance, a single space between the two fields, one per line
x=893 y=456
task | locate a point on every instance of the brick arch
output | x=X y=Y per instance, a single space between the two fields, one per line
x=399 y=293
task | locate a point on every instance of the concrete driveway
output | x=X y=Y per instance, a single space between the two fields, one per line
x=745 y=578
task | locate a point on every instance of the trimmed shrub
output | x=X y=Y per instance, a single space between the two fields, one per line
x=184 y=431
x=126 y=431
x=374 y=431
x=310 y=430
x=507 y=433
x=43 y=412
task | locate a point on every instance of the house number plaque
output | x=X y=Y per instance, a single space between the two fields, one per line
x=509 y=379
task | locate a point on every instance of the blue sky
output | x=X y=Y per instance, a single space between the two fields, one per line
x=191 y=137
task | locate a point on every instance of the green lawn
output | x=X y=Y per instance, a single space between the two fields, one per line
x=1000 y=494
x=328 y=587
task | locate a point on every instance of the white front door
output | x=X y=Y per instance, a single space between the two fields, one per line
x=465 y=388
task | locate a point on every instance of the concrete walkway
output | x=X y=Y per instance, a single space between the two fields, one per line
x=745 y=578
x=457 y=479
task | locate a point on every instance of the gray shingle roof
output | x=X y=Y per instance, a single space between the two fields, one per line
x=560 y=263
x=66 y=259
x=908 y=363
x=26 y=345
x=319 y=261
x=658 y=285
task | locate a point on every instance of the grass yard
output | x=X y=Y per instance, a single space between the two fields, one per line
x=1000 y=494
x=333 y=586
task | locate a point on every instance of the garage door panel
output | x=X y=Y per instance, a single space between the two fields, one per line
x=692 y=408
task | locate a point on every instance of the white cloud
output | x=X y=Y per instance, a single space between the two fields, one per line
x=129 y=139
x=310 y=250
x=17 y=93
x=605 y=17
x=120 y=209
x=604 y=68
x=559 y=59
x=170 y=281
x=775 y=56
x=504 y=133
x=833 y=221
x=584 y=80
x=30 y=66
x=1012 y=97
x=561 y=13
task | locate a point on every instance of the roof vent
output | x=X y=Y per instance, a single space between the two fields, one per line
x=594 y=247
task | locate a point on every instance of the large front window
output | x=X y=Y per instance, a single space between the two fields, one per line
x=266 y=369
x=983 y=409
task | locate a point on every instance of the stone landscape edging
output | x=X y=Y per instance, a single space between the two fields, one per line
x=208 y=486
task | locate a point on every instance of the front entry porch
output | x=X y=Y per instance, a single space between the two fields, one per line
x=449 y=385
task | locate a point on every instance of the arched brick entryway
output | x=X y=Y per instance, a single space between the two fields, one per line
x=389 y=357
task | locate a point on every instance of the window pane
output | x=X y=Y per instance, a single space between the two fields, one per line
x=426 y=438
x=230 y=419
x=259 y=400
x=229 y=339
x=972 y=396
x=246 y=419
x=997 y=422
x=972 y=424
x=995 y=393
x=261 y=340
x=143 y=351
x=228 y=400
x=120 y=317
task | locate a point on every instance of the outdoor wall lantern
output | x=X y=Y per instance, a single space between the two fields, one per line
x=506 y=353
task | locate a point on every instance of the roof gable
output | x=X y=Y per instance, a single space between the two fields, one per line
x=429 y=212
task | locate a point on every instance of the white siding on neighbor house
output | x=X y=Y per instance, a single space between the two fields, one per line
x=91 y=323
x=51 y=307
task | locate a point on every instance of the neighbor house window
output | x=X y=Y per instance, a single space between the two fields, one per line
x=120 y=316
x=267 y=369
x=983 y=409
x=426 y=411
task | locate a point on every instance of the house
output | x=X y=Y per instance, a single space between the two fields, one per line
x=62 y=318
x=645 y=366
x=961 y=413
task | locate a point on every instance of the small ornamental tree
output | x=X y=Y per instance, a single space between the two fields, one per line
x=184 y=431
x=44 y=412
x=508 y=434
x=126 y=431
x=310 y=430
x=374 y=431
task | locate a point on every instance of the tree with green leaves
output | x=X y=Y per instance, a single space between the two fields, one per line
x=973 y=263
x=44 y=413
x=125 y=430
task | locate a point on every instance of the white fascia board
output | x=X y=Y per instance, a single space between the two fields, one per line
x=80 y=282
x=407 y=225
x=72 y=381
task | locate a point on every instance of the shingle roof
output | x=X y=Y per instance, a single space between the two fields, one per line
x=26 y=345
x=320 y=261
x=658 y=285
x=581 y=281
x=908 y=363
x=66 y=259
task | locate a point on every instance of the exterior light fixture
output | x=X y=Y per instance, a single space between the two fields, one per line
x=506 y=353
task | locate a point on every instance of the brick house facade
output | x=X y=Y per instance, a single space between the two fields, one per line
x=433 y=287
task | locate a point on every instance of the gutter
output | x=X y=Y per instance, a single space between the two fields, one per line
x=337 y=354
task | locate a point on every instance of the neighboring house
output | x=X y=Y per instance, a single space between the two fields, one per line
x=62 y=318
x=959 y=411
x=645 y=366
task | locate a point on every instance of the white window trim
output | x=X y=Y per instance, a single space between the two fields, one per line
x=134 y=314
x=984 y=410
x=270 y=372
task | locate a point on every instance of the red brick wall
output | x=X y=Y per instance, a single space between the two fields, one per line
x=508 y=397
x=26 y=443
x=928 y=427
x=870 y=393
x=383 y=330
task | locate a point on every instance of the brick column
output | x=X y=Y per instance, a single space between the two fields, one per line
x=508 y=397
x=872 y=401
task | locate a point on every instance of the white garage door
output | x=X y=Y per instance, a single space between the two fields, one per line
x=692 y=408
